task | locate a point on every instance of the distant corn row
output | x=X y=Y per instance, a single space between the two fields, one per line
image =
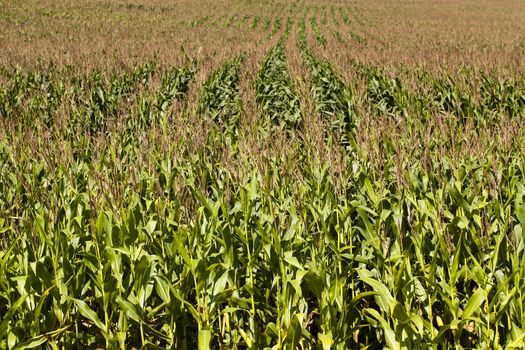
x=174 y=85
x=92 y=99
x=347 y=21
x=344 y=16
x=220 y=100
x=324 y=16
x=276 y=27
x=275 y=92
x=317 y=33
x=332 y=98
x=333 y=15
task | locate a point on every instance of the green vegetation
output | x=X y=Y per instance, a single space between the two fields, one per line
x=277 y=24
x=273 y=196
x=317 y=33
x=276 y=94
x=344 y=16
x=220 y=100
x=267 y=23
x=332 y=98
x=333 y=15
x=255 y=22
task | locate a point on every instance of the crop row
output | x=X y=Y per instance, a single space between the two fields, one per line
x=317 y=33
x=220 y=100
x=275 y=91
x=332 y=98
x=93 y=101
x=101 y=252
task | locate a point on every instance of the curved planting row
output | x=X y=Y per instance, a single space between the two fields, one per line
x=220 y=100
x=174 y=86
x=332 y=98
x=344 y=16
x=317 y=33
x=275 y=92
x=276 y=27
x=347 y=21
x=333 y=15
x=324 y=16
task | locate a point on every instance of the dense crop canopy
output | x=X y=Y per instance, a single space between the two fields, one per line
x=289 y=177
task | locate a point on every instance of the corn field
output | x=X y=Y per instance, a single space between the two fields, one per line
x=272 y=195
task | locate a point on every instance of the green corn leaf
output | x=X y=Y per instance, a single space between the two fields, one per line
x=474 y=303
x=162 y=286
x=383 y=297
x=41 y=339
x=10 y=313
x=129 y=309
x=390 y=336
x=88 y=313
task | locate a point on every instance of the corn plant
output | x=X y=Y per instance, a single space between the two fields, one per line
x=317 y=33
x=344 y=16
x=333 y=15
x=277 y=24
x=324 y=16
x=123 y=225
x=220 y=99
x=385 y=95
x=175 y=85
x=255 y=22
x=332 y=98
x=267 y=23
x=275 y=92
